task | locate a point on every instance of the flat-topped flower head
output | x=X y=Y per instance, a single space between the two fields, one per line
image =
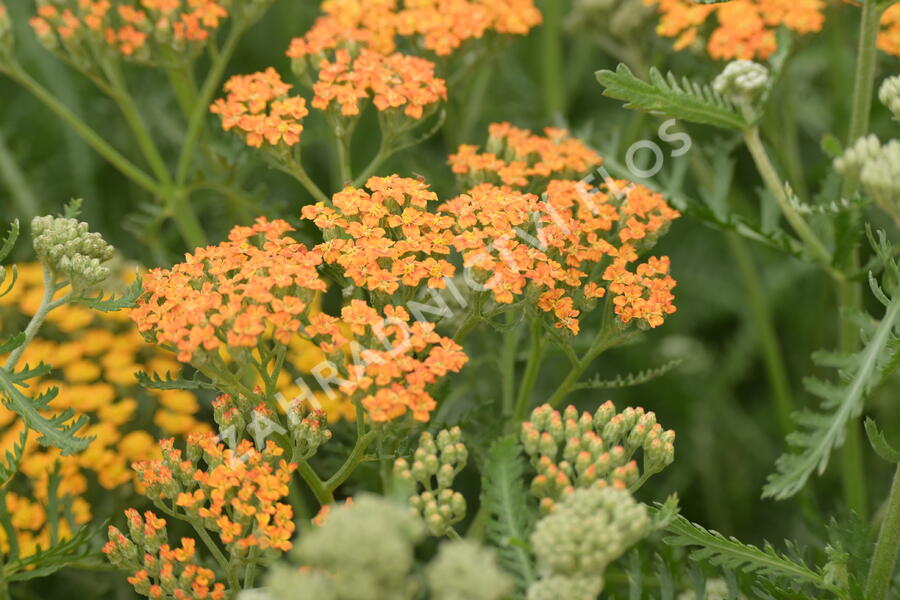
x=392 y=82
x=383 y=236
x=746 y=29
x=135 y=30
x=258 y=282
x=555 y=247
x=259 y=107
x=519 y=158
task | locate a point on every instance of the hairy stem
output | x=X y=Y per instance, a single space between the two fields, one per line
x=603 y=342
x=532 y=368
x=881 y=571
x=507 y=362
x=47 y=304
x=91 y=137
x=356 y=457
x=776 y=187
x=315 y=483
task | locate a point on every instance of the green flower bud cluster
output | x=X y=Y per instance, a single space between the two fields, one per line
x=571 y=451
x=742 y=82
x=309 y=432
x=877 y=168
x=889 y=94
x=587 y=530
x=69 y=249
x=363 y=551
x=435 y=464
x=463 y=570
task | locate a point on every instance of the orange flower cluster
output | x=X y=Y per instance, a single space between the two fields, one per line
x=160 y=571
x=393 y=81
x=390 y=361
x=260 y=280
x=236 y=496
x=128 y=27
x=576 y=227
x=385 y=237
x=889 y=38
x=517 y=157
x=746 y=29
x=258 y=105
x=442 y=25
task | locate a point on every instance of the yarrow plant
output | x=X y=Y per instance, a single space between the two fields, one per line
x=389 y=285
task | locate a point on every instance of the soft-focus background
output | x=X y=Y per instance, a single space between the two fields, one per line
x=718 y=399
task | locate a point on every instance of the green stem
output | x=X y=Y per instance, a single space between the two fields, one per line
x=91 y=137
x=47 y=305
x=356 y=456
x=295 y=168
x=186 y=219
x=136 y=123
x=768 y=339
x=316 y=485
x=207 y=91
x=776 y=188
x=382 y=155
x=552 y=85
x=532 y=368
x=507 y=363
x=27 y=203
x=250 y=571
x=884 y=561
x=603 y=342
x=342 y=146
x=864 y=83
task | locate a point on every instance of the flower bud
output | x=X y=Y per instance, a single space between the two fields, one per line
x=603 y=415
x=70 y=250
x=742 y=82
x=889 y=94
x=851 y=162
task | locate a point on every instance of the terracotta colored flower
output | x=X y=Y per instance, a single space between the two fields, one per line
x=385 y=237
x=231 y=295
x=517 y=157
x=258 y=106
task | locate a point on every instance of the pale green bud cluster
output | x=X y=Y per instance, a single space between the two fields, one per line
x=877 y=168
x=851 y=162
x=435 y=464
x=309 y=432
x=562 y=587
x=70 y=250
x=742 y=82
x=586 y=531
x=363 y=551
x=464 y=570
x=571 y=451
x=889 y=94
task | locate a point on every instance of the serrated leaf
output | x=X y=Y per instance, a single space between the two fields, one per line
x=12 y=343
x=505 y=499
x=45 y=562
x=10 y=240
x=714 y=548
x=630 y=379
x=879 y=444
x=13 y=457
x=113 y=303
x=72 y=210
x=171 y=383
x=832 y=146
x=685 y=100
x=56 y=430
x=819 y=433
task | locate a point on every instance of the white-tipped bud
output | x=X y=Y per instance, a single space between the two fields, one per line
x=889 y=94
x=742 y=82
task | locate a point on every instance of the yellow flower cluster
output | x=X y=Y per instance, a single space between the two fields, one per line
x=95 y=357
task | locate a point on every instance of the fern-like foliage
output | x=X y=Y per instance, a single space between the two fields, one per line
x=822 y=431
x=10 y=240
x=685 y=100
x=714 y=548
x=880 y=444
x=10 y=465
x=505 y=498
x=45 y=562
x=168 y=382
x=631 y=379
x=59 y=430
x=113 y=303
